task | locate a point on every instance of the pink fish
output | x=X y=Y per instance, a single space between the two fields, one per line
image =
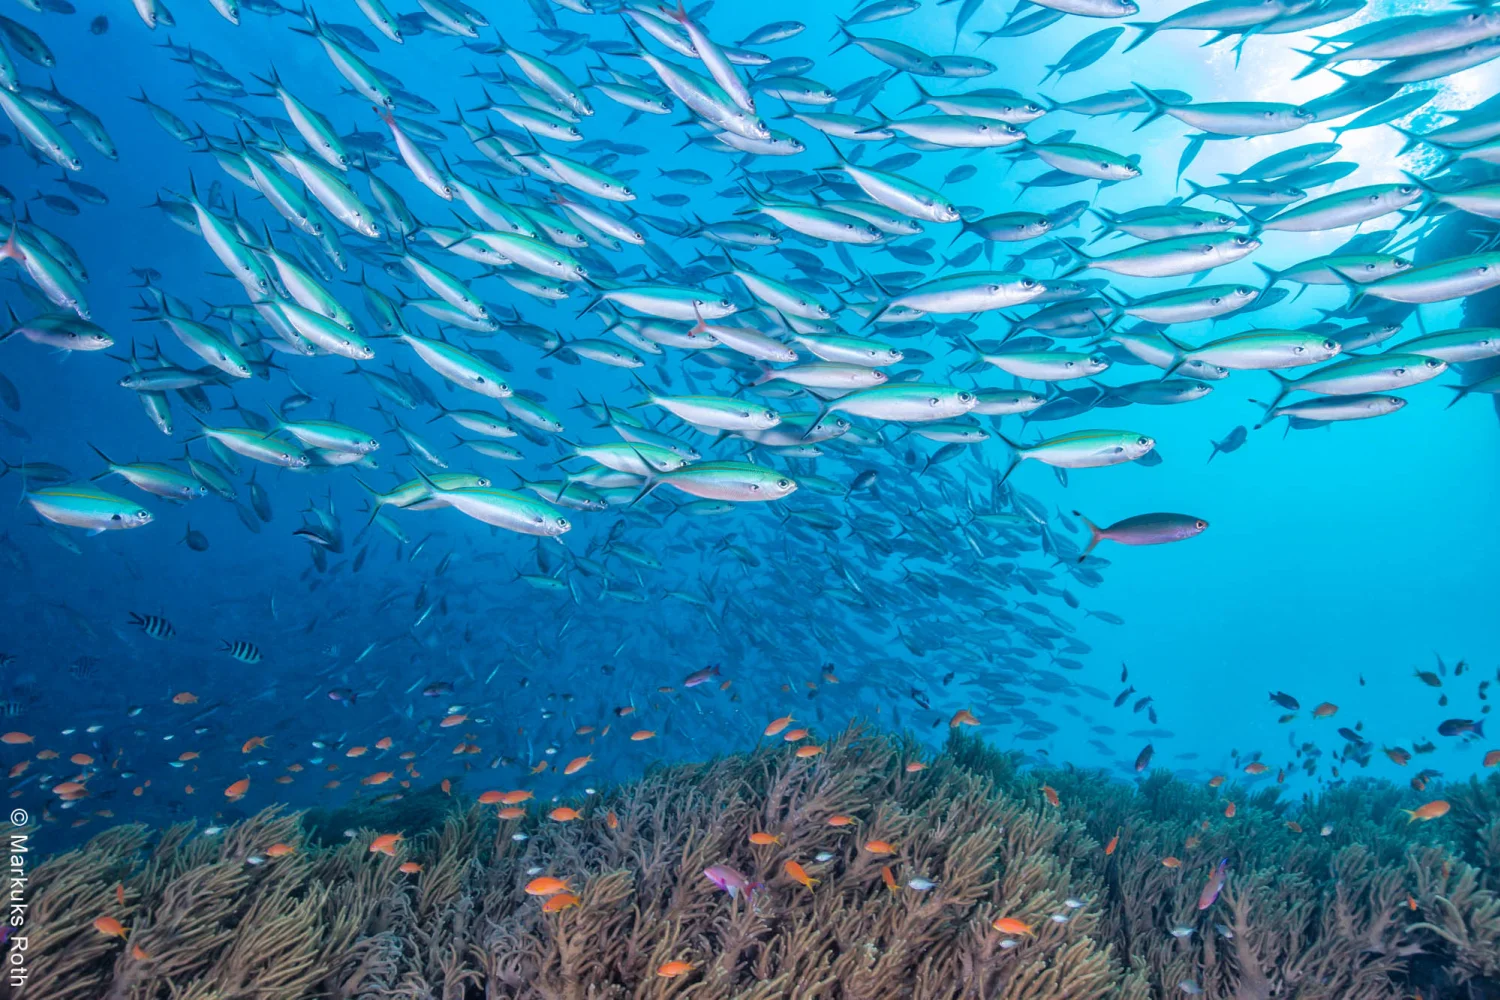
x=731 y=881
x=701 y=676
x=1215 y=883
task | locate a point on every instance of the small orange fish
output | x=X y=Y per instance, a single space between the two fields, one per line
x=1216 y=781
x=777 y=725
x=81 y=759
x=1492 y=759
x=384 y=743
x=840 y=820
x=386 y=844
x=879 y=847
x=18 y=769
x=516 y=797
x=764 y=839
x=1398 y=755
x=1294 y=826
x=809 y=751
x=642 y=734
x=1411 y=902
x=793 y=735
x=446 y=786
x=1430 y=811
x=254 y=742
x=16 y=739
x=797 y=873
x=1230 y=810
x=1051 y=794
x=110 y=927
x=409 y=868
x=583 y=731
x=671 y=970
x=564 y=814
x=624 y=711
x=1256 y=767
x=1114 y=842
x=490 y=798
x=184 y=698
x=963 y=717
x=578 y=764
x=512 y=812
x=1171 y=862
x=378 y=778
x=356 y=751
x=187 y=755
x=889 y=878
x=120 y=893
x=1010 y=925
x=914 y=766
x=238 y=789
x=294 y=768
x=560 y=902
x=279 y=850
x=46 y=755
x=1325 y=711
x=545 y=885
x=138 y=953
x=456 y=719
x=611 y=820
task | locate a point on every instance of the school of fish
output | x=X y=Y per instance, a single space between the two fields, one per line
x=636 y=294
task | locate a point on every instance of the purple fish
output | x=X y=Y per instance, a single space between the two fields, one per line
x=1215 y=883
x=701 y=676
x=731 y=881
x=1144 y=529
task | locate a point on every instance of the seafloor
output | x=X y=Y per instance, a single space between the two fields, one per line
x=1335 y=896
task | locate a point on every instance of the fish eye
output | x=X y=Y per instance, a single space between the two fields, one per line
x=1200 y=524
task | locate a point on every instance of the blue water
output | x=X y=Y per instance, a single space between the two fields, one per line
x=1338 y=561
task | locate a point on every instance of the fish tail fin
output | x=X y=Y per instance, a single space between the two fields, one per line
x=1284 y=385
x=1198 y=190
x=1459 y=392
x=1147 y=29
x=1272 y=276
x=923 y=96
x=1315 y=62
x=849 y=38
x=11 y=250
x=1095 y=535
x=103 y=458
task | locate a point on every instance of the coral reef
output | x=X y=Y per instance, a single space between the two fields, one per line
x=1098 y=894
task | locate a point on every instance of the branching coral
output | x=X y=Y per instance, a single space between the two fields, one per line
x=1099 y=889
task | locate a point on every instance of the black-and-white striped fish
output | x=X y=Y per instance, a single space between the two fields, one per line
x=245 y=652
x=153 y=625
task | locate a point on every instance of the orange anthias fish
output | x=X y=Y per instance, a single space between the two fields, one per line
x=889 y=878
x=642 y=734
x=378 y=778
x=545 y=885
x=279 y=850
x=1430 y=811
x=1398 y=755
x=564 y=814
x=1051 y=794
x=671 y=970
x=777 y=725
x=1010 y=925
x=456 y=719
x=386 y=844
x=611 y=820
x=879 y=847
x=1256 y=767
x=1114 y=842
x=184 y=698
x=110 y=927
x=254 y=742
x=809 y=751
x=1171 y=862
x=1327 y=710
x=560 y=902
x=237 y=791
x=1230 y=810
x=764 y=839
x=1492 y=759
x=512 y=812
x=491 y=798
x=409 y=868
x=914 y=766
x=516 y=797
x=963 y=717
x=797 y=873
x=384 y=743
x=578 y=764
x=1216 y=781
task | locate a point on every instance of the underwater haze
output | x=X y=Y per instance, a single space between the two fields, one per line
x=546 y=453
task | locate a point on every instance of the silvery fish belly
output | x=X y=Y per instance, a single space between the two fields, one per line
x=625 y=498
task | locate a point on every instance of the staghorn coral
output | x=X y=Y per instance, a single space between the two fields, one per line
x=1372 y=911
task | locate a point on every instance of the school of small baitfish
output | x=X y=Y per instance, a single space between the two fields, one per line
x=756 y=368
